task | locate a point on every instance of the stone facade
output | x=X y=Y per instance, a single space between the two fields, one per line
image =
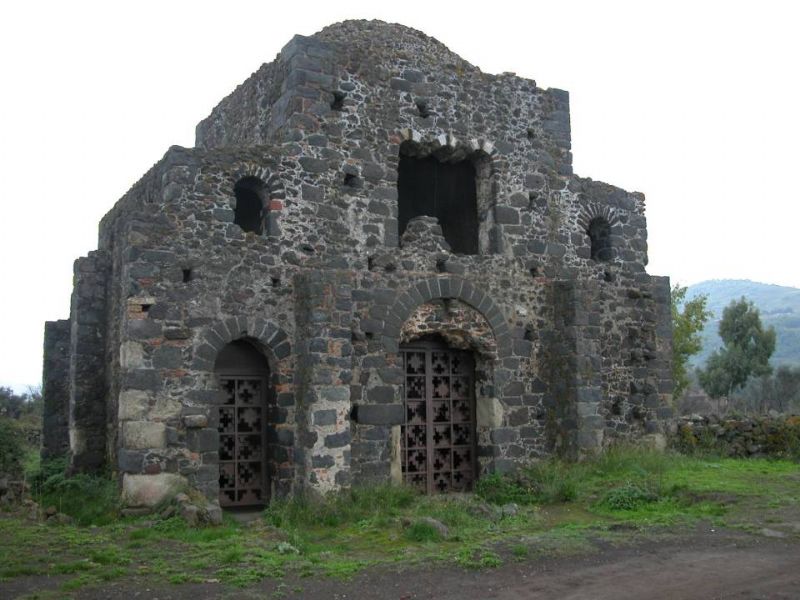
x=328 y=276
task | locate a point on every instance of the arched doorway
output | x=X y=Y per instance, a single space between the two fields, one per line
x=438 y=438
x=243 y=374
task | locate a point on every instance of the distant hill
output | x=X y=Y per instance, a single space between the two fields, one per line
x=779 y=306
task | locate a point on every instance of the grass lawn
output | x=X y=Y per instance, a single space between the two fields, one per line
x=550 y=507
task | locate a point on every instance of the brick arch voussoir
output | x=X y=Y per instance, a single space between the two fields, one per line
x=450 y=287
x=594 y=211
x=273 y=184
x=447 y=144
x=271 y=337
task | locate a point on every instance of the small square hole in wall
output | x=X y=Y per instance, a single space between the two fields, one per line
x=350 y=180
x=338 y=101
x=276 y=281
x=188 y=275
x=423 y=109
x=146 y=308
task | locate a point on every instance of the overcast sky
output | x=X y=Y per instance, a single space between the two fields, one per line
x=696 y=104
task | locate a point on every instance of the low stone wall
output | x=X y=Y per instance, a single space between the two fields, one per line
x=776 y=436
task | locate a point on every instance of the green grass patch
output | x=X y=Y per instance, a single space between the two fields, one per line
x=422 y=532
x=520 y=551
x=18 y=571
x=110 y=556
x=545 y=482
x=478 y=558
x=344 y=569
x=357 y=505
x=175 y=528
x=78 y=582
x=561 y=509
x=73 y=567
x=629 y=496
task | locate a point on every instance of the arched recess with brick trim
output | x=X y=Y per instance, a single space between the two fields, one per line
x=448 y=287
x=274 y=344
x=599 y=223
x=272 y=198
x=490 y=371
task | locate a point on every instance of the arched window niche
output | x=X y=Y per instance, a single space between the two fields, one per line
x=250 y=212
x=599 y=232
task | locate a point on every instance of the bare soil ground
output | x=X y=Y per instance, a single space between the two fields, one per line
x=702 y=563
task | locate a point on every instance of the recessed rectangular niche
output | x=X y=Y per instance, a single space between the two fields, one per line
x=445 y=190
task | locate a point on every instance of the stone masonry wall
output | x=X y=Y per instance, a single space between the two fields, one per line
x=571 y=352
x=776 y=436
x=87 y=395
x=55 y=389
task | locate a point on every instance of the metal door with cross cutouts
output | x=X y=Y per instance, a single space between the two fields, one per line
x=242 y=468
x=438 y=436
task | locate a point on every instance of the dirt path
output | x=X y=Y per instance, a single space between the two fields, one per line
x=732 y=567
x=703 y=564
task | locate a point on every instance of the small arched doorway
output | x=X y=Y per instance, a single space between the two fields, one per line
x=243 y=374
x=438 y=437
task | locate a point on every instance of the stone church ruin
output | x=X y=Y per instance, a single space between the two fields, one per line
x=376 y=265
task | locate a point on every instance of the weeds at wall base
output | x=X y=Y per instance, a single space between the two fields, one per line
x=88 y=499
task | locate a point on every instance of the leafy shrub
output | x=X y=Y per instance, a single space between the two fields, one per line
x=628 y=497
x=47 y=468
x=89 y=499
x=12 y=448
x=783 y=439
x=699 y=443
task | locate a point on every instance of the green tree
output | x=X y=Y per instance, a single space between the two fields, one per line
x=688 y=319
x=12 y=448
x=19 y=406
x=746 y=349
x=11 y=404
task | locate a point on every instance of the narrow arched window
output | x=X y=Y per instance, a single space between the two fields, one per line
x=599 y=232
x=250 y=213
